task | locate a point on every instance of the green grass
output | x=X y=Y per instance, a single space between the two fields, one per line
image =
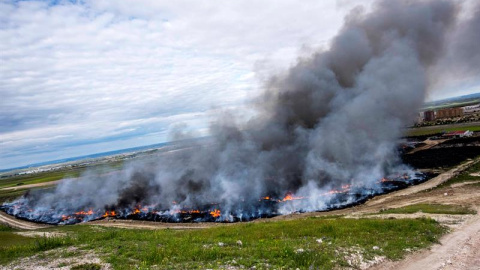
x=13 y=245
x=423 y=131
x=43 y=177
x=277 y=244
x=431 y=209
x=463 y=176
x=37 y=178
x=9 y=239
x=86 y=266
x=7 y=195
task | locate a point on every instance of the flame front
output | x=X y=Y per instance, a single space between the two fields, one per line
x=215 y=213
x=290 y=197
x=109 y=214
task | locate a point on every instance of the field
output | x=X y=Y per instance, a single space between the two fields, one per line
x=301 y=243
x=431 y=209
x=433 y=130
x=13 y=187
x=391 y=230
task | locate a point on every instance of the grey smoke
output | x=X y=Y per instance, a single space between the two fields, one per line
x=462 y=57
x=332 y=119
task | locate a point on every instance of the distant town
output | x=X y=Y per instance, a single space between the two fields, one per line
x=448 y=115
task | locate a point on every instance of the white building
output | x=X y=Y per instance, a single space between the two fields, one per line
x=472 y=108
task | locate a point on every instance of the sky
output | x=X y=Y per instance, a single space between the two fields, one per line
x=90 y=76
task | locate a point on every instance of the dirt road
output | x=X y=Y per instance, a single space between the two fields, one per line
x=19 y=224
x=457 y=250
x=51 y=183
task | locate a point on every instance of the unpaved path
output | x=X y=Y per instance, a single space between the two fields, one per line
x=441 y=178
x=51 y=183
x=20 y=224
x=428 y=144
x=457 y=250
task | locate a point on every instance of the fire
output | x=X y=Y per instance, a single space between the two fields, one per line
x=83 y=213
x=215 y=213
x=211 y=211
x=109 y=214
x=290 y=197
x=187 y=211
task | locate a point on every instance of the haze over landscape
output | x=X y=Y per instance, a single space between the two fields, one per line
x=82 y=77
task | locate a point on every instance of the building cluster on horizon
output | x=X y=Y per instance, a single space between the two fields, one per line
x=447 y=113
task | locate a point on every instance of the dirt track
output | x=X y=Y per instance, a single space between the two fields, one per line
x=45 y=184
x=18 y=223
x=457 y=250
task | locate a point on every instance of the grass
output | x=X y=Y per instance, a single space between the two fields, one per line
x=463 y=176
x=20 y=181
x=431 y=209
x=431 y=130
x=37 y=178
x=6 y=195
x=279 y=244
x=86 y=266
x=9 y=239
x=49 y=176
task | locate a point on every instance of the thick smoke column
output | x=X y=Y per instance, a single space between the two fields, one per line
x=332 y=119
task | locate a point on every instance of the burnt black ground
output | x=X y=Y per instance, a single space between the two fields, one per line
x=444 y=155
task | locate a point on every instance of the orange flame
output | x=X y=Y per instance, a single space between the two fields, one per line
x=83 y=213
x=109 y=214
x=290 y=197
x=215 y=213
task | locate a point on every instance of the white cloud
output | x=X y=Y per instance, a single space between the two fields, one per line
x=81 y=73
x=107 y=74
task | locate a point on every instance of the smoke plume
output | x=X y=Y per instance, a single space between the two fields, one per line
x=332 y=119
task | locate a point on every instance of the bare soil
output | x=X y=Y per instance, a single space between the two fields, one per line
x=20 y=224
x=58 y=259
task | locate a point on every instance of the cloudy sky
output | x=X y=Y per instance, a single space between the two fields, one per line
x=82 y=77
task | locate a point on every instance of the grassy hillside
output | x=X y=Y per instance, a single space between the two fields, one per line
x=304 y=243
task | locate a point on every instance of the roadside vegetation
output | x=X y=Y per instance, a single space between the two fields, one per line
x=430 y=209
x=472 y=174
x=319 y=242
